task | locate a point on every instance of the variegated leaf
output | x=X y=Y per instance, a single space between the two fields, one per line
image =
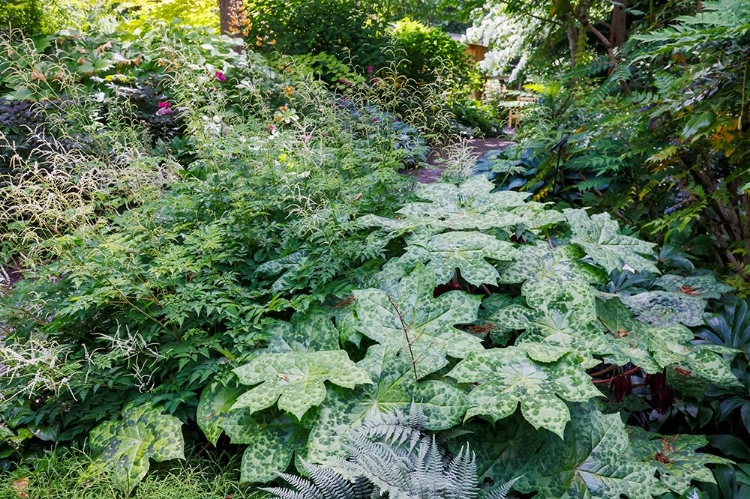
x=214 y=405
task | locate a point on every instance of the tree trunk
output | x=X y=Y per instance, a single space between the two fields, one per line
x=619 y=30
x=572 y=33
x=224 y=16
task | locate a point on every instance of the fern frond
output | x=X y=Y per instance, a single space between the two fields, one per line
x=461 y=480
x=502 y=491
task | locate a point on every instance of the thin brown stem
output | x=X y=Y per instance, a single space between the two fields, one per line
x=406 y=335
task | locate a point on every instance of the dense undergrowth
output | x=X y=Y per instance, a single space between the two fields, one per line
x=220 y=257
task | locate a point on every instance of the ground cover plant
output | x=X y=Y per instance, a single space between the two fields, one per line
x=285 y=299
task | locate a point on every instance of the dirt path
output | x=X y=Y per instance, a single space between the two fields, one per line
x=479 y=147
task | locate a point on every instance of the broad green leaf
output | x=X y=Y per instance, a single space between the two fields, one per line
x=538 y=263
x=465 y=251
x=675 y=457
x=557 y=316
x=701 y=286
x=312 y=330
x=663 y=308
x=422 y=326
x=125 y=446
x=271 y=444
x=289 y=267
x=214 y=405
x=593 y=460
x=295 y=379
x=394 y=387
x=507 y=377
x=599 y=238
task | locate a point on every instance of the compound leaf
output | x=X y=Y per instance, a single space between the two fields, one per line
x=295 y=379
x=508 y=376
x=421 y=325
x=125 y=446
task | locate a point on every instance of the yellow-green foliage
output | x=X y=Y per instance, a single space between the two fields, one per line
x=193 y=13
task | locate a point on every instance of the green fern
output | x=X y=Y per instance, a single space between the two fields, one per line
x=392 y=454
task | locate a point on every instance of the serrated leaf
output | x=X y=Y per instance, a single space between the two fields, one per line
x=420 y=325
x=592 y=461
x=701 y=286
x=663 y=308
x=599 y=238
x=507 y=377
x=125 y=446
x=271 y=444
x=675 y=457
x=311 y=330
x=214 y=405
x=394 y=387
x=295 y=379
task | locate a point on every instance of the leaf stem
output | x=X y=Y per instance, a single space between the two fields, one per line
x=406 y=334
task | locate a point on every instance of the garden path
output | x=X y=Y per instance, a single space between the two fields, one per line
x=479 y=146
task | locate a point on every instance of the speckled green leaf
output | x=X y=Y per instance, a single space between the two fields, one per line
x=125 y=446
x=214 y=405
x=394 y=387
x=507 y=377
x=288 y=266
x=599 y=238
x=592 y=461
x=702 y=286
x=558 y=316
x=472 y=205
x=538 y=263
x=675 y=457
x=295 y=379
x=312 y=330
x=663 y=308
x=271 y=443
x=422 y=326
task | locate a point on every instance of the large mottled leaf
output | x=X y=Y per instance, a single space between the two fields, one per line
x=214 y=405
x=507 y=377
x=472 y=205
x=312 y=330
x=654 y=349
x=560 y=265
x=675 y=457
x=599 y=237
x=289 y=267
x=702 y=286
x=125 y=446
x=271 y=443
x=394 y=387
x=295 y=379
x=593 y=460
x=558 y=316
x=422 y=326
x=663 y=308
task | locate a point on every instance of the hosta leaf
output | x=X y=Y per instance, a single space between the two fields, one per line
x=507 y=377
x=465 y=251
x=422 y=326
x=593 y=460
x=295 y=379
x=214 y=405
x=599 y=238
x=663 y=308
x=125 y=446
x=394 y=387
x=702 y=286
x=538 y=263
x=559 y=316
x=675 y=457
x=271 y=444
x=312 y=330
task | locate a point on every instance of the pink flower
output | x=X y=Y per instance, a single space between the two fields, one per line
x=164 y=108
x=271 y=128
x=307 y=137
x=370 y=69
x=220 y=76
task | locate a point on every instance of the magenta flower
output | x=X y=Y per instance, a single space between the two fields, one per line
x=164 y=108
x=220 y=76
x=370 y=69
x=271 y=128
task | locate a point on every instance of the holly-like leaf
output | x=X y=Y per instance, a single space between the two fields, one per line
x=394 y=387
x=271 y=444
x=675 y=457
x=214 y=405
x=295 y=379
x=701 y=286
x=599 y=238
x=125 y=446
x=559 y=316
x=422 y=326
x=593 y=460
x=508 y=376
x=663 y=308
x=312 y=330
